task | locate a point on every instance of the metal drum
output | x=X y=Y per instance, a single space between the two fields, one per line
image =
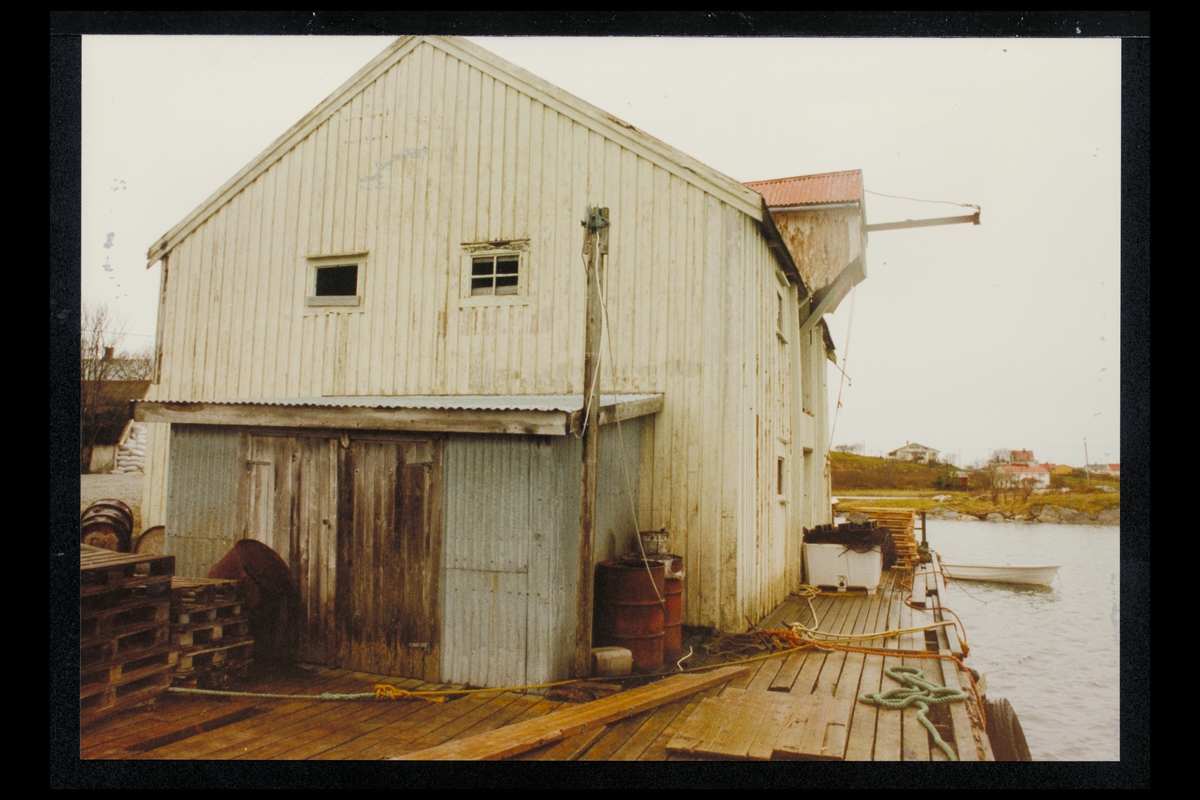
x=629 y=610
x=152 y=541
x=107 y=524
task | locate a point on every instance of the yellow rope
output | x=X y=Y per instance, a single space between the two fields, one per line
x=385 y=691
x=866 y=637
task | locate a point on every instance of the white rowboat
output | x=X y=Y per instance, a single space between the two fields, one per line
x=1039 y=576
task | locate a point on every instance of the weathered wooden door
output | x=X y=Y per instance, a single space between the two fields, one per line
x=289 y=497
x=389 y=557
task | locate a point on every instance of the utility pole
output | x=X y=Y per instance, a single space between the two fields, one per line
x=1086 y=470
x=595 y=246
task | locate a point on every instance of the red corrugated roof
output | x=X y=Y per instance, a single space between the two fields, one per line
x=809 y=190
x=1021 y=469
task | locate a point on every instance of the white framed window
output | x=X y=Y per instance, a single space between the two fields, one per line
x=495 y=273
x=781 y=315
x=335 y=280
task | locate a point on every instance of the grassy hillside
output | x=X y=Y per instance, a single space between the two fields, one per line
x=866 y=472
x=914 y=485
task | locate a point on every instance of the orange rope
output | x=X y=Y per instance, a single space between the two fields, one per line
x=907 y=584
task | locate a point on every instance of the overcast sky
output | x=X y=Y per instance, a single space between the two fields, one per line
x=964 y=338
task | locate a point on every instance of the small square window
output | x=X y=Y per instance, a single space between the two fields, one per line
x=339 y=281
x=335 y=280
x=495 y=275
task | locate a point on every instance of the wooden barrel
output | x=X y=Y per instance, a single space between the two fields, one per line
x=629 y=610
x=673 y=625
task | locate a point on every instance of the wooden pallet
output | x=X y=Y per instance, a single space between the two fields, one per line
x=101 y=649
x=126 y=667
x=208 y=633
x=204 y=656
x=110 y=621
x=124 y=610
x=110 y=577
x=900 y=523
x=186 y=615
x=211 y=632
x=203 y=591
x=126 y=693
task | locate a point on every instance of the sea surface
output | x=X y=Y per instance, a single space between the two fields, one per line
x=1054 y=651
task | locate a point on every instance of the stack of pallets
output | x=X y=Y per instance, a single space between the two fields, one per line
x=210 y=631
x=125 y=654
x=900 y=523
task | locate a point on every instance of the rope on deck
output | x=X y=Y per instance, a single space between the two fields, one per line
x=224 y=693
x=382 y=691
x=920 y=693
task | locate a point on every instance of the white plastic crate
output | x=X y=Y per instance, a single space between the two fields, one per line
x=835 y=566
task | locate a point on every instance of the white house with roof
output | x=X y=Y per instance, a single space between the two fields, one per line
x=912 y=451
x=1037 y=476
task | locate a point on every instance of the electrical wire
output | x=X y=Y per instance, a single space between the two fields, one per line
x=919 y=200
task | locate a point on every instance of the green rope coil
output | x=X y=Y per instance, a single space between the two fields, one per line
x=919 y=693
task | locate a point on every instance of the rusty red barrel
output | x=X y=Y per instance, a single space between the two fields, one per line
x=673 y=626
x=629 y=610
x=108 y=524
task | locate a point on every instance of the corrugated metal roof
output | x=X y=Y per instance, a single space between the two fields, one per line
x=809 y=190
x=518 y=402
x=1022 y=469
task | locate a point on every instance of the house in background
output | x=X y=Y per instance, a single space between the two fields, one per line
x=107 y=387
x=1022 y=457
x=1018 y=475
x=918 y=453
x=370 y=357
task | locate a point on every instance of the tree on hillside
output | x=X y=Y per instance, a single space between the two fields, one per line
x=856 y=449
x=101 y=332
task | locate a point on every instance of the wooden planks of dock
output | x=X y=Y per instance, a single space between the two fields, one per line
x=190 y=727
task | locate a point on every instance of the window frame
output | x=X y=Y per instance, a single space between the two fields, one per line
x=782 y=317
x=314 y=264
x=518 y=248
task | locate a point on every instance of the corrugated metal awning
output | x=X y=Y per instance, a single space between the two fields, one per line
x=811 y=190
x=541 y=415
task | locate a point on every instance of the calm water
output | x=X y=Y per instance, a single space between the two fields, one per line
x=1054 y=652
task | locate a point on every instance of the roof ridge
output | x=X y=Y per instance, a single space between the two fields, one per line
x=677 y=162
x=801 y=177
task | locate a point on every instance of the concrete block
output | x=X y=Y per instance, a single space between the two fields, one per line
x=611 y=661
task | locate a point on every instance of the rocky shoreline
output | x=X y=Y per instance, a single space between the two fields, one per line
x=1056 y=515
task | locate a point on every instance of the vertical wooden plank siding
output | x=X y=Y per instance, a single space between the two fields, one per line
x=434 y=154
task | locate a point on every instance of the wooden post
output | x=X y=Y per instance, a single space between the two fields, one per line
x=596 y=247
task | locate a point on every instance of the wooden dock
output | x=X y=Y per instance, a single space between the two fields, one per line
x=804 y=682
